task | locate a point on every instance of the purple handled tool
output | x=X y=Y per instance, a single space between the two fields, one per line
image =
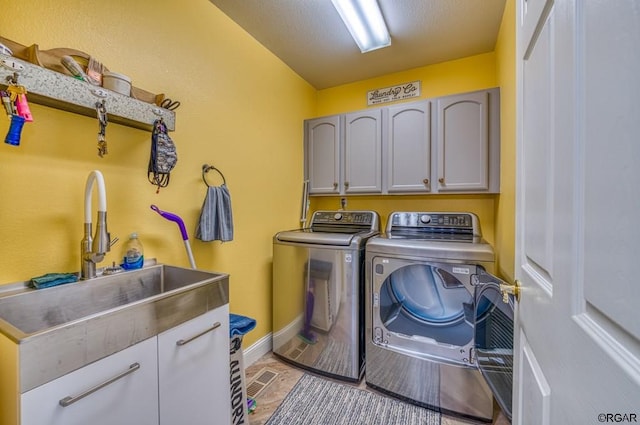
x=183 y=230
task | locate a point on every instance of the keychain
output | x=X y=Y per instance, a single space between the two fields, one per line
x=102 y=120
x=15 y=104
x=8 y=105
x=18 y=96
x=22 y=107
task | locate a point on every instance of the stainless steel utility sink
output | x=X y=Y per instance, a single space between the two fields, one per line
x=62 y=328
x=39 y=310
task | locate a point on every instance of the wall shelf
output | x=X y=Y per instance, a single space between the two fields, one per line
x=56 y=90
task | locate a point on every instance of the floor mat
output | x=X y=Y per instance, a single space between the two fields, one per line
x=336 y=359
x=319 y=401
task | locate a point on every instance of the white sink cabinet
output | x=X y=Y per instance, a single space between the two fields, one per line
x=193 y=371
x=131 y=399
x=179 y=376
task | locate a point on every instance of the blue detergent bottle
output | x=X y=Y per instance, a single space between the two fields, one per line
x=133 y=257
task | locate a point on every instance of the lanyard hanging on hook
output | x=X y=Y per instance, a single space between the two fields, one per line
x=101 y=111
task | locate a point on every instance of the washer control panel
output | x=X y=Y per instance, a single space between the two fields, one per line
x=360 y=218
x=342 y=216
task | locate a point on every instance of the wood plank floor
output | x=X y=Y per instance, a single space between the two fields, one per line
x=271 y=396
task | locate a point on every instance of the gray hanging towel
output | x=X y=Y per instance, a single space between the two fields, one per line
x=216 y=220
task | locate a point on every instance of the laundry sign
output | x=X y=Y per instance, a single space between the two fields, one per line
x=393 y=93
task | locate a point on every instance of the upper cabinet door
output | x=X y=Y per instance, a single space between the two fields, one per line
x=463 y=142
x=363 y=152
x=408 y=147
x=323 y=154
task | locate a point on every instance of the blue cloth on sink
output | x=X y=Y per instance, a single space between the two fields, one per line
x=53 y=279
x=240 y=325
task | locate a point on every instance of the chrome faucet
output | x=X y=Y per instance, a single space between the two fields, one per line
x=93 y=249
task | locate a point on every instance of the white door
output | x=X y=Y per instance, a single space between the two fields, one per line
x=577 y=333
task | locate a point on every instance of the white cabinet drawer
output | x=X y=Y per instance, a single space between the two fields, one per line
x=119 y=389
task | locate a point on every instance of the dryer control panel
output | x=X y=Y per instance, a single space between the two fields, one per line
x=434 y=222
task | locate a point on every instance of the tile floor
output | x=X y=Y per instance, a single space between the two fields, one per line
x=271 y=396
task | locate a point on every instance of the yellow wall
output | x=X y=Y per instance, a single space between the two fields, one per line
x=458 y=76
x=242 y=111
x=463 y=75
x=505 y=208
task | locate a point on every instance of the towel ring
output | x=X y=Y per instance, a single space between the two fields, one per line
x=206 y=168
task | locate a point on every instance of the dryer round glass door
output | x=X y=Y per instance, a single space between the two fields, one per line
x=429 y=294
x=424 y=302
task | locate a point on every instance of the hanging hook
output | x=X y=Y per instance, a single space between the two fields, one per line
x=206 y=168
x=13 y=79
x=101 y=111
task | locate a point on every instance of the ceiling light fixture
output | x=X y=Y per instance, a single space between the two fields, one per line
x=365 y=23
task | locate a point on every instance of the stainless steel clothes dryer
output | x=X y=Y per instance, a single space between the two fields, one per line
x=428 y=290
x=318 y=293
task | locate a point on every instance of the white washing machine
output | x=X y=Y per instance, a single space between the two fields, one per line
x=438 y=332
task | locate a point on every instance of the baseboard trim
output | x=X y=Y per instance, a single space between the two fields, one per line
x=257 y=350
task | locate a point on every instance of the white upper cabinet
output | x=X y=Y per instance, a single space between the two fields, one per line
x=390 y=150
x=363 y=152
x=408 y=147
x=465 y=138
x=323 y=154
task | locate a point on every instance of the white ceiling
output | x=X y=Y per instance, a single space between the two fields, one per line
x=309 y=36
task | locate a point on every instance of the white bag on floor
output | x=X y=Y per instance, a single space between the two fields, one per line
x=239 y=408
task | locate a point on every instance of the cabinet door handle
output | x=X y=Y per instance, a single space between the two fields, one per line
x=206 y=331
x=335 y=186
x=346 y=185
x=441 y=180
x=426 y=182
x=72 y=399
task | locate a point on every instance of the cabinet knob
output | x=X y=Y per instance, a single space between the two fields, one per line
x=346 y=185
x=335 y=186
x=426 y=182
x=441 y=180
